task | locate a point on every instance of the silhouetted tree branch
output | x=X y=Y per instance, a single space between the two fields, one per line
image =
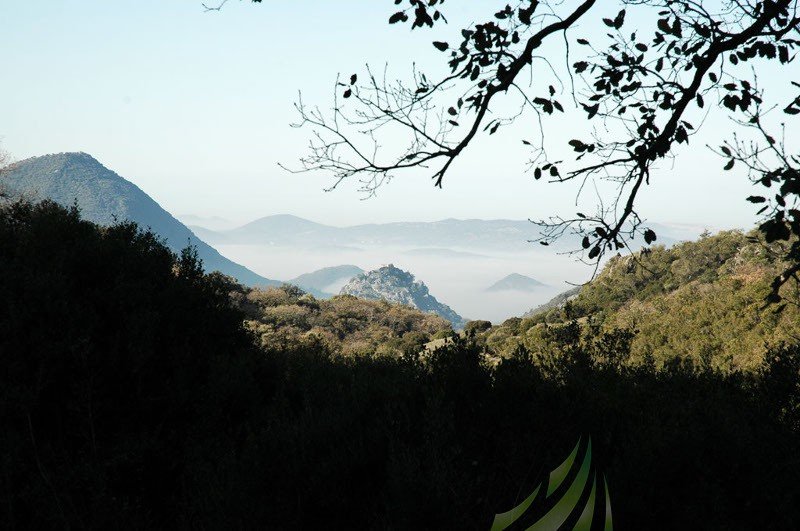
x=638 y=89
x=769 y=162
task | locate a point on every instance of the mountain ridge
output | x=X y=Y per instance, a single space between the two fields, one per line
x=104 y=197
x=495 y=234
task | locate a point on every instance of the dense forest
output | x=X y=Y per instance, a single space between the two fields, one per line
x=140 y=393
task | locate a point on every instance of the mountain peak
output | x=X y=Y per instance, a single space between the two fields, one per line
x=392 y=284
x=516 y=282
x=62 y=159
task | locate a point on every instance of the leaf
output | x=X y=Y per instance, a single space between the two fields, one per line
x=619 y=20
x=729 y=165
x=452 y=111
x=353 y=79
x=524 y=15
x=577 y=145
x=398 y=17
x=650 y=236
x=594 y=252
x=700 y=102
x=441 y=46
x=347 y=93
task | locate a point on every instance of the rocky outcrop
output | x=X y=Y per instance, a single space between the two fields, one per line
x=392 y=284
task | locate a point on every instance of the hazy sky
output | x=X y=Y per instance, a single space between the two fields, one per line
x=195 y=108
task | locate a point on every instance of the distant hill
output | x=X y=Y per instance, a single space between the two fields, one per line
x=325 y=282
x=516 y=282
x=395 y=285
x=104 y=197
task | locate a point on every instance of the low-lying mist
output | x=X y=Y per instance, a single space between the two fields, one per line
x=458 y=277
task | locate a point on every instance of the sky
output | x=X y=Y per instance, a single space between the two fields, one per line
x=195 y=108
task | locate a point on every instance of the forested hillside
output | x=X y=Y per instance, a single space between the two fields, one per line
x=287 y=318
x=702 y=300
x=135 y=395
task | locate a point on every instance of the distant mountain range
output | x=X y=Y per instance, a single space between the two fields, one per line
x=395 y=285
x=440 y=236
x=104 y=197
x=435 y=237
x=516 y=282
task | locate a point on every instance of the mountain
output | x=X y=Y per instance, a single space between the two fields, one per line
x=516 y=282
x=395 y=285
x=104 y=197
x=445 y=234
x=433 y=237
x=323 y=283
x=279 y=229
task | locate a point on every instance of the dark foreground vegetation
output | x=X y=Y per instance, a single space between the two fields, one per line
x=133 y=397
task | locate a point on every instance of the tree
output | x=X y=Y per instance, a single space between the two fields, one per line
x=637 y=89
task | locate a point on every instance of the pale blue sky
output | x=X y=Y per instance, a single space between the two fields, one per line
x=195 y=108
